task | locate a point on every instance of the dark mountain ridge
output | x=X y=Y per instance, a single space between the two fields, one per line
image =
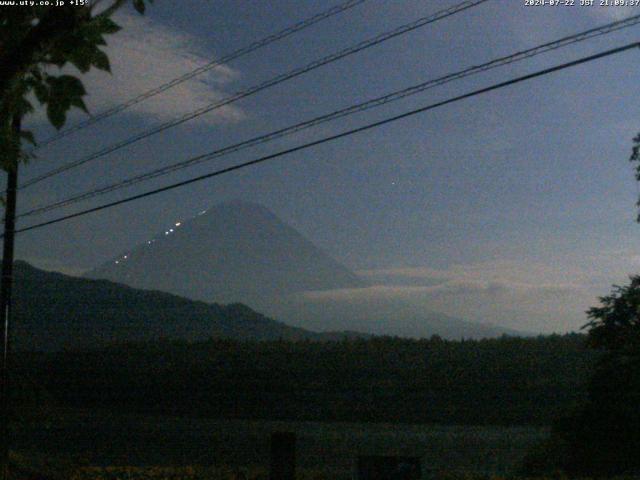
x=54 y=311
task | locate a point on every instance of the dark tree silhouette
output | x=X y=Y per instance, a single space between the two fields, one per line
x=615 y=326
x=602 y=437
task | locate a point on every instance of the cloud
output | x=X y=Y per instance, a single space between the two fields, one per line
x=449 y=288
x=617 y=12
x=146 y=54
x=550 y=295
x=524 y=307
x=515 y=274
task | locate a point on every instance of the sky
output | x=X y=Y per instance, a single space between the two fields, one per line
x=516 y=207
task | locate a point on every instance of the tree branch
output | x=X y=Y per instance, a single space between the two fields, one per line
x=52 y=26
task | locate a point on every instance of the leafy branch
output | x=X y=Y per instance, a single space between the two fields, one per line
x=35 y=39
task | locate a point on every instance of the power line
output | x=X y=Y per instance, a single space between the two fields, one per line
x=262 y=86
x=252 y=47
x=336 y=136
x=373 y=103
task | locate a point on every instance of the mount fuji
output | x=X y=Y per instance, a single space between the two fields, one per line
x=240 y=252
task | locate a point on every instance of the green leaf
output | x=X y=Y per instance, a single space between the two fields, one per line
x=27 y=135
x=70 y=86
x=107 y=26
x=139 y=6
x=65 y=91
x=24 y=107
x=57 y=114
x=41 y=91
x=79 y=103
x=101 y=61
x=81 y=59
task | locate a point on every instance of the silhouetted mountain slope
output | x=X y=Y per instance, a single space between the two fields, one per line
x=53 y=311
x=241 y=252
x=234 y=252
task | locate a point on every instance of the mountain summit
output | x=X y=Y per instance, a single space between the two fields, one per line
x=241 y=252
x=233 y=252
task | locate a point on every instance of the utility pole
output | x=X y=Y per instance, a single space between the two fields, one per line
x=6 y=282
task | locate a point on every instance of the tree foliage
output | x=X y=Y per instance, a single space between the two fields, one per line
x=507 y=381
x=635 y=158
x=602 y=437
x=615 y=326
x=35 y=43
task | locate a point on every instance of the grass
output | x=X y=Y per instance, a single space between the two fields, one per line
x=48 y=468
x=109 y=447
x=256 y=473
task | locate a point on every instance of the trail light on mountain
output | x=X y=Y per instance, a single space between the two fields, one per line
x=242 y=252
x=238 y=251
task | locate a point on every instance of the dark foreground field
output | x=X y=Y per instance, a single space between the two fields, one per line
x=462 y=406
x=147 y=445
x=506 y=381
x=215 y=404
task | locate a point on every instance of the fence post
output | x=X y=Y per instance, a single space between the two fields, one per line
x=283 y=456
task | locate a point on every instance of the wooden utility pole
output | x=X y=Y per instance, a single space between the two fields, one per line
x=6 y=283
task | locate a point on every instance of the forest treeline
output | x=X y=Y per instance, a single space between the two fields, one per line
x=504 y=381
